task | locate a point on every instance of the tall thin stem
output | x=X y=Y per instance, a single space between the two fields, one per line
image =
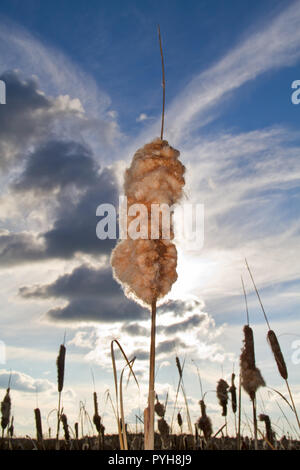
x=149 y=411
x=240 y=413
x=258 y=296
x=163 y=85
x=254 y=421
x=293 y=403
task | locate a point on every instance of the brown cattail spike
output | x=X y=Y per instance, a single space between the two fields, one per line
x=204 y=423
x=60 y=363
x=273 y=341
x=159 y=409
x=5 y=410
x=179 y=420
x=269 y=431
x=38 y=424
x=65 y=426
x=250 y=375
x=232 y=392
x=222 y=394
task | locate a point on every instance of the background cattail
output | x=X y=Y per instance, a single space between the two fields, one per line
x=204 y=422
x=5 y=411
x=250 y=375
x=179 y=421
x=222 y=394
x=232 y=392
x=76 y=430
x=38 y=425
x=273 y=341
x=159 y=409
x=164 y=431
x=65 y=426
x=269 y=431
x=60 y=363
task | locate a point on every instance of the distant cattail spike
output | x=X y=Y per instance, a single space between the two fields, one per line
x=96 y=417
x=65 y=426
x=222 y=394
x=159 y=409
x=60 y=363
x=164 y=431
x=204 y=423
x=232 y=392
x=5 y=410
x=76 y=430
x=179 y=420
x=269 y=431
x=179 y=366
x=38 y=424
x=250 y=375
x=273 y=341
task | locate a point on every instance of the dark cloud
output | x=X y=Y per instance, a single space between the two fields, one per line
x=179 y=307
x=26 y=118
x=191 y=322
x=169 y=346
x=92 y=295
x=74 y=229
x=134 y=329
x=58 y=164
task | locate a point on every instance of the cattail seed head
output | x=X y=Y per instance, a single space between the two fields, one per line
x=64 y=421
x=178 y=365
x=60 y=363
x=159 y=409
x=222 y=394
x=146 y=267
x=250 y=375
x=204 y=422
x=232 y=392
x=276 y=350
x=163 y=428
x=5 y=410
x=76 y=430
x=179 y=419
x=96 y=417
x=269 y=431
x=38 y=424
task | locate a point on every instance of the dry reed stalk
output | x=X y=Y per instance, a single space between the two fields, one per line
x=240 y=414
x=276 y=350
x=5 y=411
x=121 y=429
x=38 y=426
x=11 y=428
x=149 y=411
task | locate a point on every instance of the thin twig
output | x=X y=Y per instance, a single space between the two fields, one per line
x=163 y=85
x=258 y=296
x=245 y=295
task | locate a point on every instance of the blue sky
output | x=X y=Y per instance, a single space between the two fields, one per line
x=83 y=93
